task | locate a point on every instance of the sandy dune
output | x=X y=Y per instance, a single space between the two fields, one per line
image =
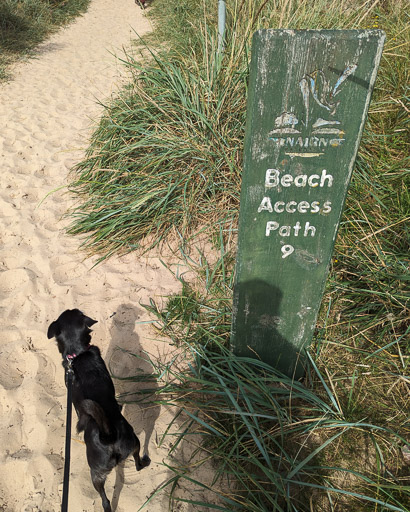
x=45 y=119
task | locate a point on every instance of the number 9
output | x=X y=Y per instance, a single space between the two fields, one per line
x=287 y=250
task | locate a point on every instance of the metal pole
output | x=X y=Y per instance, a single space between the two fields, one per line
x=221 y=25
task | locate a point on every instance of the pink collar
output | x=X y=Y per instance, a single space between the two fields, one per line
x=70 y=357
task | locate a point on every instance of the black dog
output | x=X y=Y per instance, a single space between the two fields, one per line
x=108 y=436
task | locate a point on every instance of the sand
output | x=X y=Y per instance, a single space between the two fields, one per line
x=46 y=115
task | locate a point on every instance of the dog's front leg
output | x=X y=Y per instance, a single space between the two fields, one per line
x=98 y=482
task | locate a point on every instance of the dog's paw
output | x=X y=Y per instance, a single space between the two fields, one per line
x=142 y=463
x=145 y=461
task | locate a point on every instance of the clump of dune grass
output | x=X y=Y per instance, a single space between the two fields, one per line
x=166 y=155
x=26 y=23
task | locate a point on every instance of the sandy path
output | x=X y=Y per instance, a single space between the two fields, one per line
x=45 y=117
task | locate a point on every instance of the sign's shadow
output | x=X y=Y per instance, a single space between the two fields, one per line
x=257 y=328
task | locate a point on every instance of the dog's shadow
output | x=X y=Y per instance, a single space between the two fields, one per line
x=133 y=380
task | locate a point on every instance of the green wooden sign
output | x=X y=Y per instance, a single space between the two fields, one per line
x=309 y=94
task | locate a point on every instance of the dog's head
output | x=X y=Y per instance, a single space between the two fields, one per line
x=72 y=332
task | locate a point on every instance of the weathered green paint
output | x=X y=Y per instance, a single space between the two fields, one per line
x=309 y=93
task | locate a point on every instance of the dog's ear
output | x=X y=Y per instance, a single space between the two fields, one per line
x=89 y=321
x=53 y=330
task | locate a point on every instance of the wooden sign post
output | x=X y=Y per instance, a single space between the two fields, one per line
x=309 y=94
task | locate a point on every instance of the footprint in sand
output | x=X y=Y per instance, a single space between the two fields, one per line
x=11 y=368
x=46 y=376
x=14 y=280
x=65 y=271
x=11 y=425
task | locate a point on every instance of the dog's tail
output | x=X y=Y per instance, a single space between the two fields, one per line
x=90 y=409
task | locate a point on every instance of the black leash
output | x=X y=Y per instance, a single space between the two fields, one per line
x=69 y=381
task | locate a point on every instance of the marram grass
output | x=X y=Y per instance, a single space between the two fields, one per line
x=166 y=156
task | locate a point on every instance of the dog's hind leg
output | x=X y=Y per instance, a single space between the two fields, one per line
x=98 y=480
x=140 y=463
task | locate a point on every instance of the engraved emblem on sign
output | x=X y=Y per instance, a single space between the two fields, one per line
x=313 y=131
